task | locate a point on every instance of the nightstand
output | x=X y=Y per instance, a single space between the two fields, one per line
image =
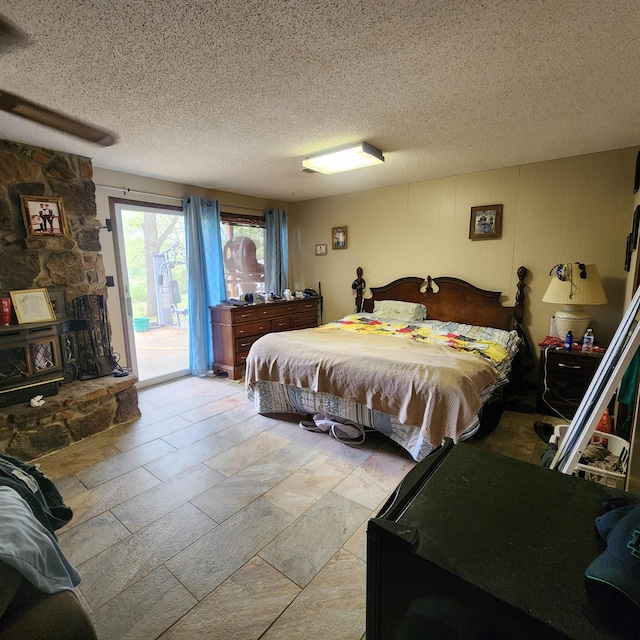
x=563 y=378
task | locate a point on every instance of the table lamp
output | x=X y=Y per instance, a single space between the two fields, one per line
x=572 y=285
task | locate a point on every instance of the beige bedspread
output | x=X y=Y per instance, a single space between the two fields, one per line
x=433 y=386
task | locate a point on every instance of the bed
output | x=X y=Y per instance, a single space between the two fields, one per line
x=414 y=380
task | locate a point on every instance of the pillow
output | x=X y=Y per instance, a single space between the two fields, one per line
x=398 y=310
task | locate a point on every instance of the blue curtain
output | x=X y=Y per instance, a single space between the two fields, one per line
x=277 y=255
x=206 y=277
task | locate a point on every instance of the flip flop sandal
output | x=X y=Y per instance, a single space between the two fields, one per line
x=309 y=425
x=348 y=433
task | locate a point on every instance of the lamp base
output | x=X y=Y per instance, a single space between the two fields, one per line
x=572 y=318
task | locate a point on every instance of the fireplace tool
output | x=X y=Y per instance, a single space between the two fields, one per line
x=95 y=355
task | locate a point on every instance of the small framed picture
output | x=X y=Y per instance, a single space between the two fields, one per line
x=58 y=302
x=32 y=305
x=486 y=222
x=321 y=249
x=339 y=238
x=43 y=216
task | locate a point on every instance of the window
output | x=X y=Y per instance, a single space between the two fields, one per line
x=243 y=253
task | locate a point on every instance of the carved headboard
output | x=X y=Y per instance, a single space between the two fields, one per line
x=451 y=299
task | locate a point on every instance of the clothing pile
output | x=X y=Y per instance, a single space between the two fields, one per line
x=32 y=509
x=597 y=455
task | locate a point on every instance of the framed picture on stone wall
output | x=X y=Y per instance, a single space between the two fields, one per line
x=43 y=216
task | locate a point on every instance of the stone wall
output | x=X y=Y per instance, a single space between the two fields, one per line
x=72 y=262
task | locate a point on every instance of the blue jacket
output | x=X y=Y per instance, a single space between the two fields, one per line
x=39 y=491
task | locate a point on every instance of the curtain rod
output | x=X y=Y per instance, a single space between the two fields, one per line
x=127 y=191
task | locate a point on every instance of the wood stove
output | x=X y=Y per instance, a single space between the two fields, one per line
x=35 y=359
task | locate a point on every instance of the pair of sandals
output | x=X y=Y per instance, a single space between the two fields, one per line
x=348 y=432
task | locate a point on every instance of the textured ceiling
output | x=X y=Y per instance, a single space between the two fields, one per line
x=233 y=94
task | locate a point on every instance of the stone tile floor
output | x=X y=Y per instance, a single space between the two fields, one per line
x=205 y=520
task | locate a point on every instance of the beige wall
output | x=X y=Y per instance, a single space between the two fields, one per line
x=229 y=202
x=565 y=210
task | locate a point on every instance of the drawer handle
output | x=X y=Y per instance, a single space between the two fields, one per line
x=569 y=366
x=243 y=357
x=245 y=344
x=281 y=324
x=245 y=315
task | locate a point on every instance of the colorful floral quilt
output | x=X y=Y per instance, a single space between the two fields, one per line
x=417 y=382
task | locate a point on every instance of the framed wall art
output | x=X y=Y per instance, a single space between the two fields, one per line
x=339 y=238
x=43 y=216
x=321 y=249
x=58 y=302
x=486 y=222
x=32 y=305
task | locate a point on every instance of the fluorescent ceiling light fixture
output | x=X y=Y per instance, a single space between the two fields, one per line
x=354 y=156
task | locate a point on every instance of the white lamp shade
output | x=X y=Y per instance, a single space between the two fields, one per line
x=572 y=292
x=575 y=289
x=354 y=156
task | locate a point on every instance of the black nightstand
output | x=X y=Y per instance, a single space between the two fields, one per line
x=563 y=378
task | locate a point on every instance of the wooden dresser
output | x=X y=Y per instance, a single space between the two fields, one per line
x=235 y=329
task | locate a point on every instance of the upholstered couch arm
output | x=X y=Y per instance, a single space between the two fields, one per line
x=29 y=614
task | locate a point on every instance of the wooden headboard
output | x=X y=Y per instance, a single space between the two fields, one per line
x=452 y=300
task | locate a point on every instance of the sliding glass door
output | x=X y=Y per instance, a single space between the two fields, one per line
x=151 y=265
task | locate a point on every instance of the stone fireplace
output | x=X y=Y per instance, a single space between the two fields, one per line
x=69 y=262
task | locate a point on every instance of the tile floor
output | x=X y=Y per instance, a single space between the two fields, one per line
x=205 y=520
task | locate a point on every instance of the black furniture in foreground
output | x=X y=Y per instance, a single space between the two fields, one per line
x=476 y=545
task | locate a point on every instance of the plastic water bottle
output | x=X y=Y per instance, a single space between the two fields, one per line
x=568 y=341
x=587 y=341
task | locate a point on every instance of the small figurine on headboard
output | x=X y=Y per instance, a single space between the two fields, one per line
x=359 y=285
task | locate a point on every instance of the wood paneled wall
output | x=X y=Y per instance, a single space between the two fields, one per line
x=565 y=210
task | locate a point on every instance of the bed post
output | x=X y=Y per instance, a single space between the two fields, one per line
x=518 y=309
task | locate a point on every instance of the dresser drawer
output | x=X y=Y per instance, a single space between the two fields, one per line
x=252 y=328
x=311 y=305
x=305 y=319
x=558 y=362
x=245 y=315
x=233 y=315
x=244 y=344
x=281 y=324
x=277 y=309
x=241 y=357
